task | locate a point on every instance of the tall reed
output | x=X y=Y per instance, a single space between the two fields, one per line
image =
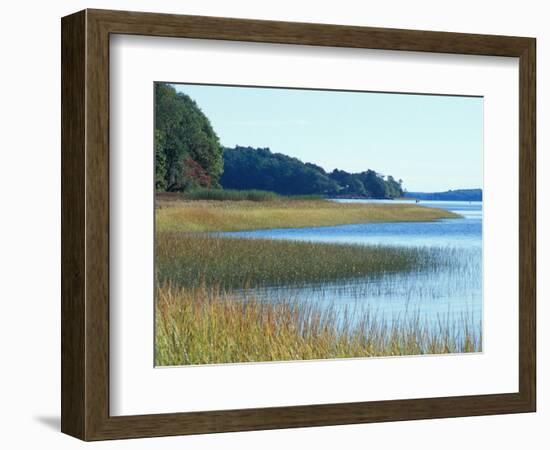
x=210 y=326
x=192 y=259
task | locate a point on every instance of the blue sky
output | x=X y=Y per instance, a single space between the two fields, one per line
x=433 y=143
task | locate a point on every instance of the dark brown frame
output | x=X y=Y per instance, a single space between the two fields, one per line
x=85 y=224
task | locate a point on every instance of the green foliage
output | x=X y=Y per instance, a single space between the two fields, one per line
x=374 y=183
x=160 y=162
x=393 y=187
x=187 y=150
x=250 y=168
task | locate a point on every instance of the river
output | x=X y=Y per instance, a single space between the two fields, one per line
x=452 y=292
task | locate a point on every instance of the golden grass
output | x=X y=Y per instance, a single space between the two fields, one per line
x=207 y=326
x=212 y=216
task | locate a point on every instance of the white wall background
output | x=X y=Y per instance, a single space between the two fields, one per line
x=30 y=225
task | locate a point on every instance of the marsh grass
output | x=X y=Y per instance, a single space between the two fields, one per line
x=193 y=259
x=235 y=195
x=210 y=326
x=175 y=213
x=209 y=309
x=228 y=194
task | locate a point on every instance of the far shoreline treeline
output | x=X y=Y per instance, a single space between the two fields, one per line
x=469 y=195
x=258 y=168
x=188 y=155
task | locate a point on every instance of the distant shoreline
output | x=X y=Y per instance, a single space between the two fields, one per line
x=466 y=195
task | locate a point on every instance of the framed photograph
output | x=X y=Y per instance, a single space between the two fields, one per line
x=273 y=225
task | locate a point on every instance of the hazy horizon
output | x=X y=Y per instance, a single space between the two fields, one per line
x=434 y=143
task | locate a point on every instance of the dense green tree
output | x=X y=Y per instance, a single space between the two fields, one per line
x=185 y=143
x=160 y=162
x=344 y=180
x=374 y=184
x=251 y=168
x=393 y=187
x=356 y=187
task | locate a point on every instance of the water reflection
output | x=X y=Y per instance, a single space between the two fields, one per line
x=452 y=291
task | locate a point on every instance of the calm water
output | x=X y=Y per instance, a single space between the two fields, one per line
x=463 y=233
x=452 y=291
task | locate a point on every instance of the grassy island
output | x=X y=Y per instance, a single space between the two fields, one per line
x=175 y=213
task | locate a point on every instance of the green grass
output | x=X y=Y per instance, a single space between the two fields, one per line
x=234 y=195
x=175 y=214
x=229 y=195
x=193 y=259
x=200 y=326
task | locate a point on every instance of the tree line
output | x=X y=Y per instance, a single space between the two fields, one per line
x=259 y=168
x=468 y=195
x=188 y=154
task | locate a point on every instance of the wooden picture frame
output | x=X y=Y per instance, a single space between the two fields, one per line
x=85 y=224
